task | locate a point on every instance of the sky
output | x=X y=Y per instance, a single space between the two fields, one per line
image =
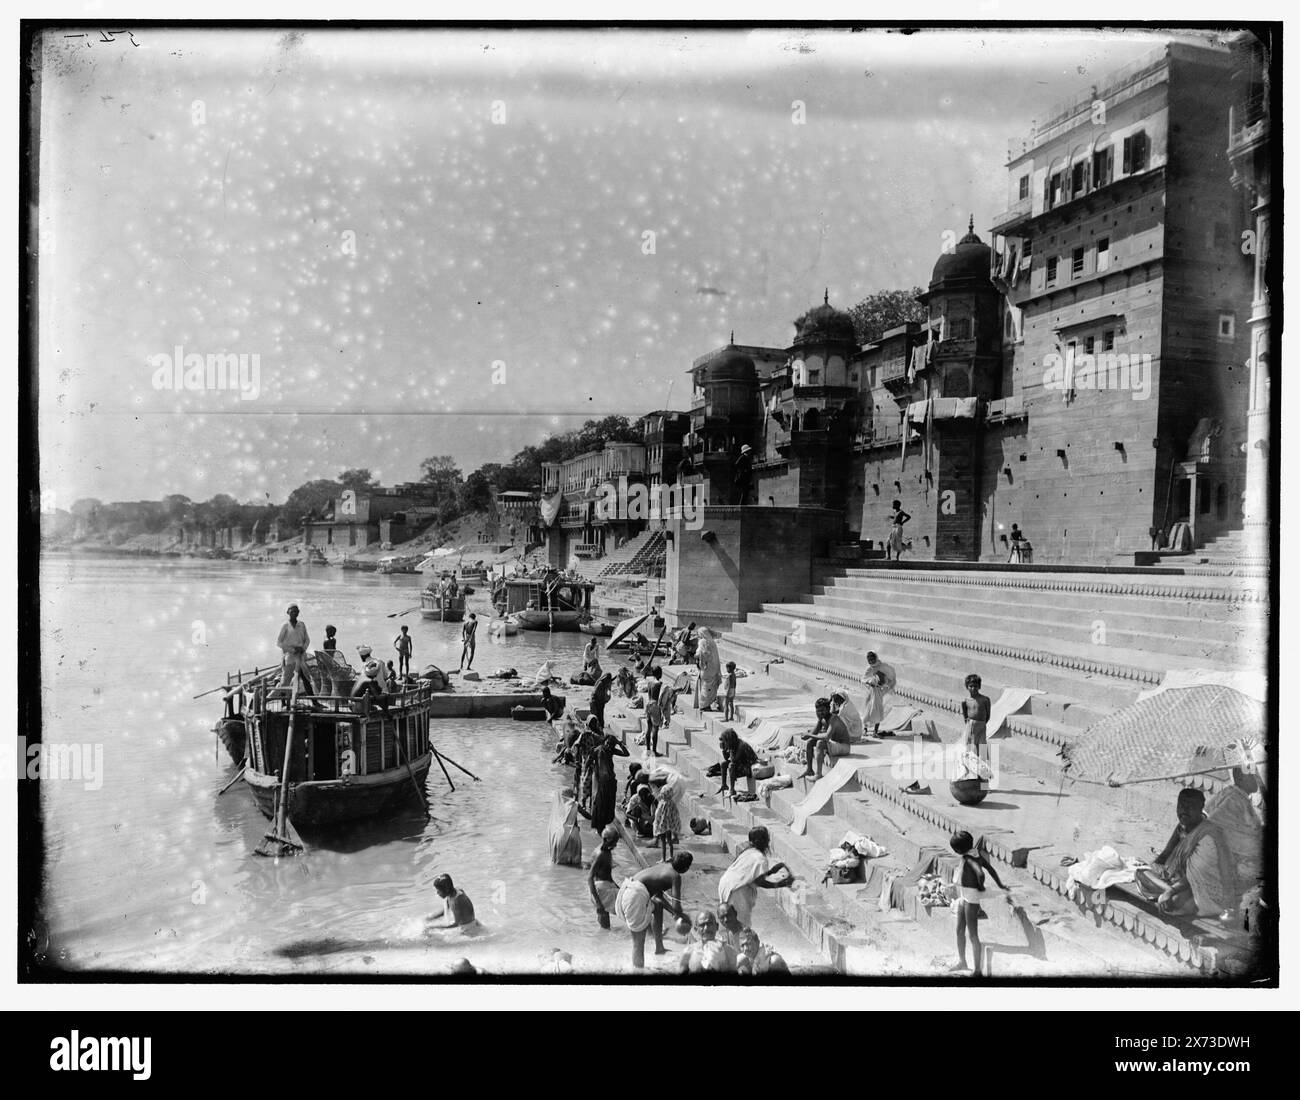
x=458 y=242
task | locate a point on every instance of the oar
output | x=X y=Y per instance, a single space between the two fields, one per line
x=401 y=748
x=238 y=775
x=278 y=842
x=243 y=683
x=398 y=614
x=442 y=766
x=450 y=761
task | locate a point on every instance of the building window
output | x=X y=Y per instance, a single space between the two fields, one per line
x=1103 y=167
x=1079 y=178
x=1227 y=326
x=1076 y=263
x=1051 y=270
x=1054 y=185
x=1136 y=152
x=959 y=329
x=1108 y=340
x=1024 y=187
x=1088 y=344
x=1103 y=253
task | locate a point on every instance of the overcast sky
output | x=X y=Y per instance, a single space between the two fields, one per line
x=435 y=242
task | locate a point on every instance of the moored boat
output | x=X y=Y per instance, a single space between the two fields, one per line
x=348 y=760
x=596 y=627
x=446 y=607
x=548 y=601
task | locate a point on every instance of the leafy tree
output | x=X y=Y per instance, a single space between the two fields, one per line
x=441 y=472
x=877 y=313
x=310 y=499
x=478 y=490
x=360 y=480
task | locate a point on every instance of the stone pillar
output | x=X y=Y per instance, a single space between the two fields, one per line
x=1255 y=502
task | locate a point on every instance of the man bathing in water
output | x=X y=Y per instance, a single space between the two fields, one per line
x=643 y=898
x=600 y=879
x=456 y=910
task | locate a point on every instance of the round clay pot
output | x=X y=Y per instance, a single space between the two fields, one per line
x=969 y=792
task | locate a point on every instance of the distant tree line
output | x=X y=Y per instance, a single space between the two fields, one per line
x=450 y=492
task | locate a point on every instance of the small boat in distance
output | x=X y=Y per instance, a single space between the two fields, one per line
x=598 y=628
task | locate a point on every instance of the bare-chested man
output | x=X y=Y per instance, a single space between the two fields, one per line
x=643 y=898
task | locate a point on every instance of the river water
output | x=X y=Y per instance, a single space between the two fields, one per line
x=148 y=869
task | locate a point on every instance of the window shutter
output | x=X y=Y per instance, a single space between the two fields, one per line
x=1128 y=155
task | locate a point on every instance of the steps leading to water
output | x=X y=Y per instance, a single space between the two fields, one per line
x=1044 y=935
x=1091 y=642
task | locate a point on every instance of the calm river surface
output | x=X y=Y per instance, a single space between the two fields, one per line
x=148 y=869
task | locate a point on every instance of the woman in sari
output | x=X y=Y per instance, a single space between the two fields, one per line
x=741 y=882
x=600 y=697
x=706 y=656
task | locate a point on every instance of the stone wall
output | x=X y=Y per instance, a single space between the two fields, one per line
x=755 y=555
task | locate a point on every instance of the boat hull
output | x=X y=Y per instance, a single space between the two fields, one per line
x=446 y=609
x=548 y=620
x=233 y=734
x=596 y=629
x=319 y=803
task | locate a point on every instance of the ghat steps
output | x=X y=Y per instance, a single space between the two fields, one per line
x=1043 y=936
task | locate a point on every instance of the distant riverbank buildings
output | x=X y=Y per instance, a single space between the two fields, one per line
x=1086 y=373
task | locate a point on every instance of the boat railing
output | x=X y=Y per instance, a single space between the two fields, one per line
x=408 y=698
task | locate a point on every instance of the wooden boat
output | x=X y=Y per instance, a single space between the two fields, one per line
x=548 y=601
x=442 y=606
x=508 y=626
x=597 y=627
x=349 y=760
x=231 y=728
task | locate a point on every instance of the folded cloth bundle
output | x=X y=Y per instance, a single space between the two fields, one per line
x=776 y=783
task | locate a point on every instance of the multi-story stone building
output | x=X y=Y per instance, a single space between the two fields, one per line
x=599 y=507
x=1084 y=375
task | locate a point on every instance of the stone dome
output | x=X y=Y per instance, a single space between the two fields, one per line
x=824 y=324
x=731 y=365
x=968 y=261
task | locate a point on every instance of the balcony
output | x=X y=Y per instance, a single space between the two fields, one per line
x=1247 y=124
x=1013 y=215
x=954 y=349
x=823 y=393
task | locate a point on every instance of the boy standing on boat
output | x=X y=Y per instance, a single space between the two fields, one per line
x=293 y=642
x=402 y=643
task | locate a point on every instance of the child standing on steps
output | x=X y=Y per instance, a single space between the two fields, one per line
x=729 y=708
x=969 y=881
x=668 y=821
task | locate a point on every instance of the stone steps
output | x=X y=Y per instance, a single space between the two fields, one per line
x=1074 y=696
x=1044 y=936
x=1164 y=638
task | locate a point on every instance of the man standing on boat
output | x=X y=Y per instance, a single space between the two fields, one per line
x=293 y=642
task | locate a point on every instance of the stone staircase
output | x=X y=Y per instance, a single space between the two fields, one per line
x=1042 y=935
x=641 y=556
x=1090 y=643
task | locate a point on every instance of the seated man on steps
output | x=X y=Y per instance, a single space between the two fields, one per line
x=738 y=759
x=1196 y=873
x=830 y=737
